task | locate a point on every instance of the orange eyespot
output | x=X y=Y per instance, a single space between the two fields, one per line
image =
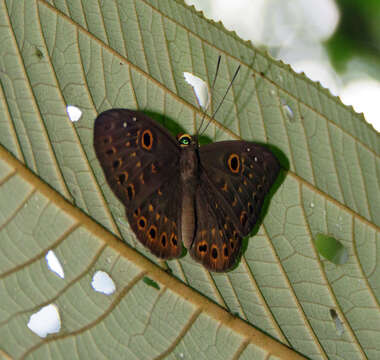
x=173 y=239
x=202 y=247
x=141 y=223
x=122 y=177
x=111 y=151
x=164 y=239
x=152 y=233
x=243 y=218
x=234 y=163
x=117 y=163
x=130 y=192
x=225 y=251
x=107 y=140
x=214 y=252
x=136 y=213
x=250 y=208
x=147 y=139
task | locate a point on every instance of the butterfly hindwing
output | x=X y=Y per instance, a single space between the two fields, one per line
x=235 y=177
x=216 y=244
x=155 y=221
x=241 y=174
x=140 y=162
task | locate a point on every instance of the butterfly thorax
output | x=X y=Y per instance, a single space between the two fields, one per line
x=189 y=170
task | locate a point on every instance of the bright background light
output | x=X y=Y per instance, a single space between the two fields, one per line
x=294 y=30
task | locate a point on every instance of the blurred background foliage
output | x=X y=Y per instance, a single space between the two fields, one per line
x=357 y=36
x=335 y=42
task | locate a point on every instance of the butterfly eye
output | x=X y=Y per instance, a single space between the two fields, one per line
x=184 y=139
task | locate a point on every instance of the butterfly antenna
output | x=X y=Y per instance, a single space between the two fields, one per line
x=224 y=96
x=212 y=88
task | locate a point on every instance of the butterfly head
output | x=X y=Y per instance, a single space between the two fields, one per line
x=186 y=140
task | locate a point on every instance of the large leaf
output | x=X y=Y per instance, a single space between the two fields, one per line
x=102 y=54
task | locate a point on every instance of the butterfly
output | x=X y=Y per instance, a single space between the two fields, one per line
x=177 y=193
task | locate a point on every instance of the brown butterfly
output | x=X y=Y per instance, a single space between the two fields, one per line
x=176 y=192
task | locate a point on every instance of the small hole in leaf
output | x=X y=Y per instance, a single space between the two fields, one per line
x=54 y=264
x=102 y=282
x=200 y=88
x=331 y=249
x=73 y=112
x=45 y=321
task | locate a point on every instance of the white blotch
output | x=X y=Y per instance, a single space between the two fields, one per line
x=272 y=92
x=200 y=87
x=46 y=321
x=287 y=110
x=312 y=205
x=102 y=282
x=124 y=124
x=73 y=112
x=54 y=264
x=338 y=323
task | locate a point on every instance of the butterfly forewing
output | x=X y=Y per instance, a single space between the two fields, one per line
x=140 y=162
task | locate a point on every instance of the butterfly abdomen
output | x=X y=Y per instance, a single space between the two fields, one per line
x=189 y=173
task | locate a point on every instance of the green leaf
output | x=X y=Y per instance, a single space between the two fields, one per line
x=53 y=196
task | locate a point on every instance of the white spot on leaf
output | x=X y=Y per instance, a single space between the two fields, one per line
x=54 y=264
x=102 y=282
x=200 y=87
x=46 y=321
x=338 y=323
x=73 y=112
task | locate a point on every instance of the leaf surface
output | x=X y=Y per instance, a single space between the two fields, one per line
x=103 y=54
